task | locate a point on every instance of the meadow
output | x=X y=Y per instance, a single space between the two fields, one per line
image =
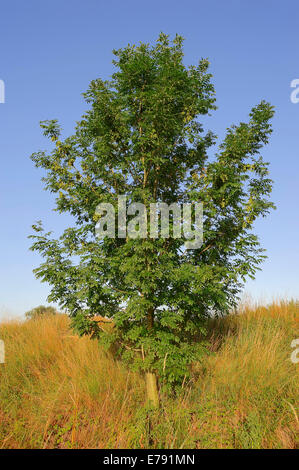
x=59 y=390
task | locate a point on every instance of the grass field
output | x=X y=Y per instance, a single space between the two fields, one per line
x=61 y=391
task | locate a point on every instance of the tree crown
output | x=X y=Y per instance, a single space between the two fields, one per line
x=142 y=138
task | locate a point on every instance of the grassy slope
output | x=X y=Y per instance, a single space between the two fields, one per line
x=58 y=390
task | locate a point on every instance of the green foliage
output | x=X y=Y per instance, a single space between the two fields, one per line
x=84 y=325
x=42 y=310
x=141 y=137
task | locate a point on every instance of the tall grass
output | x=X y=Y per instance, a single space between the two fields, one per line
x=61 y=391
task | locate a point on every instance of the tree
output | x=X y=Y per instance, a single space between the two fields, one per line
x=40 y=311
x=141 y=138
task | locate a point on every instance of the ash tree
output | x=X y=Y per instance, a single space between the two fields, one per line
x=142 y=138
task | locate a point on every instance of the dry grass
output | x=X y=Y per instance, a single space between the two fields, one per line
x=61 y=391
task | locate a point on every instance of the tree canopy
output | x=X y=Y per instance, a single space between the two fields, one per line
x=40 y=311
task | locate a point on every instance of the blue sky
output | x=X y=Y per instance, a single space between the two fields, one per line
x=51 y=50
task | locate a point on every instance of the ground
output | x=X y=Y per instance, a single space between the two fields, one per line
x=61 y=391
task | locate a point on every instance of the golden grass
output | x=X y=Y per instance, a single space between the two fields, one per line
x=61 y=391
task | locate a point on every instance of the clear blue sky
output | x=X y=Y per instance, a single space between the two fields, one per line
x=49 y=52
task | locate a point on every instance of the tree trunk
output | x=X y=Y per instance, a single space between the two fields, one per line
x=150 y=377
x=152 y=389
